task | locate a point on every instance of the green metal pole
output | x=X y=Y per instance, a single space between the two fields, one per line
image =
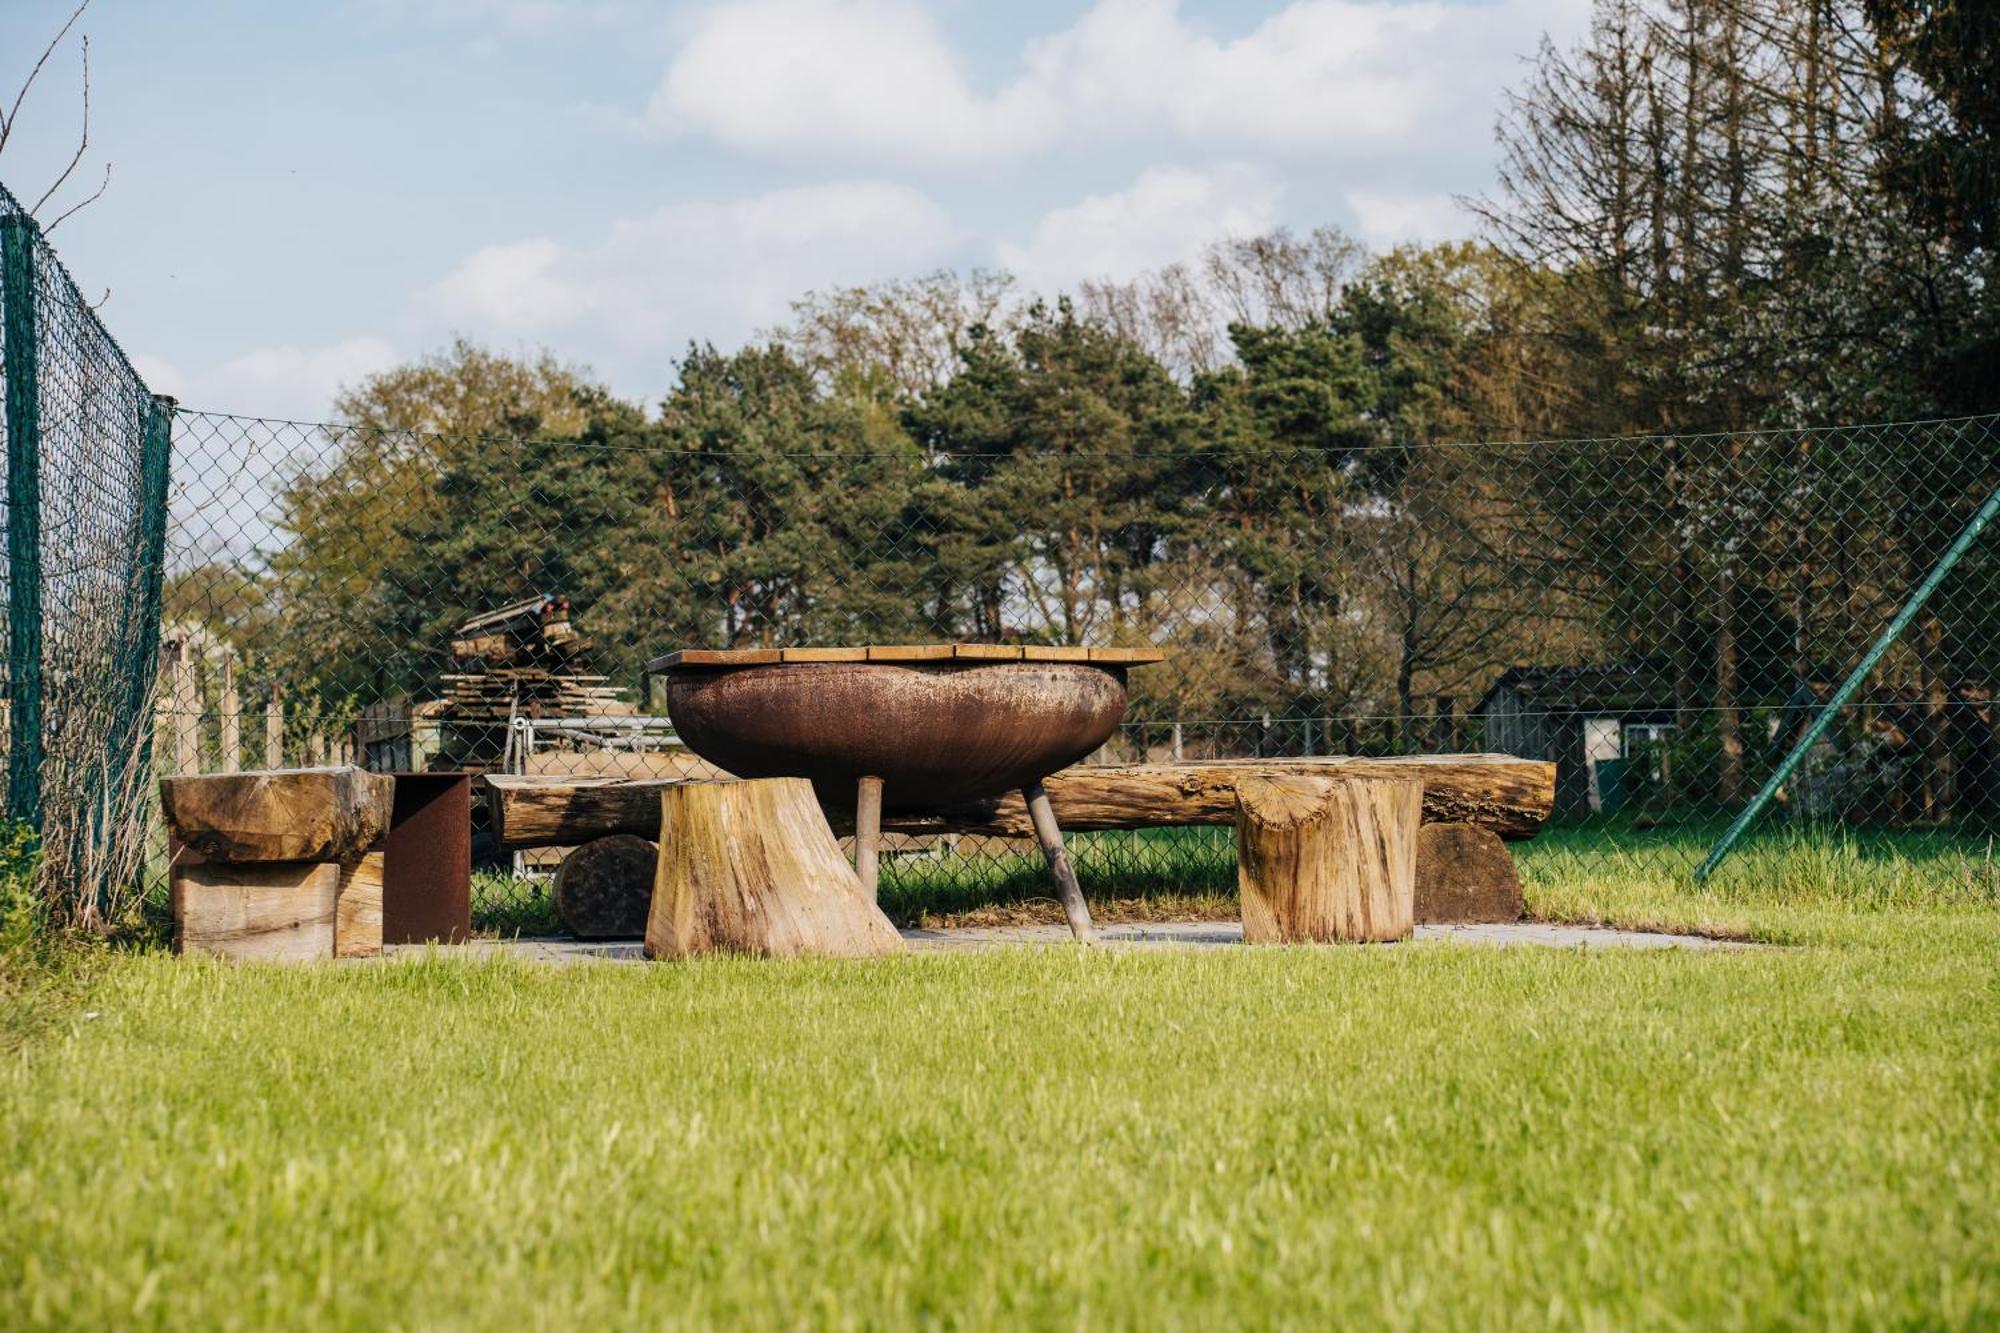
x=1826 y=714
x=150 y=577
x=18 y=237
x=130 y=737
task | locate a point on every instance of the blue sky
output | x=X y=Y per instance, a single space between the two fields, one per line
x=305 y=192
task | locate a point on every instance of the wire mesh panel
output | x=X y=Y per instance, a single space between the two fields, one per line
x=86 y=457
x=1660 y=616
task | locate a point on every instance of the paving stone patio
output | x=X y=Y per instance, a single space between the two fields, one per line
x=1149 y=935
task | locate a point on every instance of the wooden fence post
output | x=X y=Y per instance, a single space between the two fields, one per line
x=274 y=729
x=229 y=724
x=182 y=689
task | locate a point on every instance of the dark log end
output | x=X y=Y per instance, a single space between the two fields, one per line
x=1465 y=874
x=604 y=888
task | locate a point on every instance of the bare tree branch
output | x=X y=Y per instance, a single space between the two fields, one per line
x=13 y=114
x=82 y=143
x=90 y=199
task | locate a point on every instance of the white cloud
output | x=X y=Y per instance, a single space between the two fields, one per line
x=517 y=18
x=875 y=79
x=1384 y=218
x=297 y=383
x=835 y=74
x=1168 y=214
x=513 y=287
x=715 y=271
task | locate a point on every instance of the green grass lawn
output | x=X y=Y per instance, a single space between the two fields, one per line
x=1803 y=1135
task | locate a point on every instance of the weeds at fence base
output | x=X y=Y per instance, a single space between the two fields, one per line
x=44 y=965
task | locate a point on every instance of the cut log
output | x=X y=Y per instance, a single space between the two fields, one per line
x=357 y=908
x=287 y=814
x=1510 y=796
x=273 y=911
x=1326 y=858
x=1465 y=873
x=604 y=887
x=752 y=867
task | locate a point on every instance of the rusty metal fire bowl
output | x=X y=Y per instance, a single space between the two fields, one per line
x=936 y=733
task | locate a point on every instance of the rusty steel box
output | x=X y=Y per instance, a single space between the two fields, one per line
x=427 y=860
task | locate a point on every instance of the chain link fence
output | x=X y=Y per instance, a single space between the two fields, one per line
x=1661 y=616
x=86 y=454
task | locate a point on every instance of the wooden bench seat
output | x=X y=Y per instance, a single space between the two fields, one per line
x=1511 y=797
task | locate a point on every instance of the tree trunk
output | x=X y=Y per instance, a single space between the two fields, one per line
x=1803 y=490
x=1728 y=713
x=752 y=867
x=1327 y=859
x=1406 y=694
x=1940 y=774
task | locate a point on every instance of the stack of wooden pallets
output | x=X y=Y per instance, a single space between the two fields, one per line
x=522 y=660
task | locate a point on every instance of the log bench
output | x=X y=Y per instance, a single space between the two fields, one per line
x=282 y=865
x=1472 y=804
x=310 y=863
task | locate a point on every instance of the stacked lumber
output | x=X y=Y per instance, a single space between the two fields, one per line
x=536 y=631
x=498 y=695
x=283 y=865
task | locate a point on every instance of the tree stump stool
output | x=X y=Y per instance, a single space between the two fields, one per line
x=604 y=888
x=753 y=867
x=1322 y=859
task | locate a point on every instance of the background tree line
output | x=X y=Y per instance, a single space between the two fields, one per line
x=1712 y=218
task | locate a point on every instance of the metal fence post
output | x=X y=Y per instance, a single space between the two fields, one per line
x=155 y=468
x=18 y=238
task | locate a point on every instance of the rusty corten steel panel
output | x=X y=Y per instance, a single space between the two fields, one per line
x=427 y=860
x=935 y=732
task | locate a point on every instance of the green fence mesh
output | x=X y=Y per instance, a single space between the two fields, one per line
x=86 y=449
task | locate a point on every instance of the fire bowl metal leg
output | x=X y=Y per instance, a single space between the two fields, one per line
x=1049 y=834
x=868 y=832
